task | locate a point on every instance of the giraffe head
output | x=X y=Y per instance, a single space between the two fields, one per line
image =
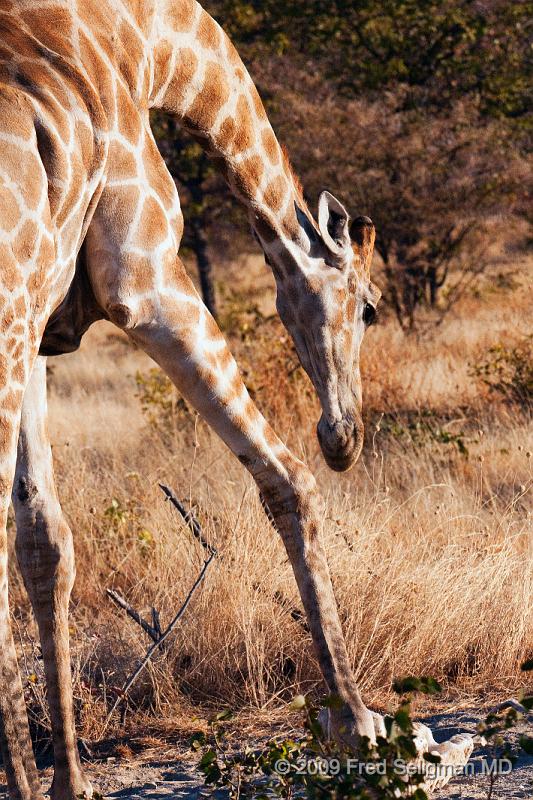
x=326 y=300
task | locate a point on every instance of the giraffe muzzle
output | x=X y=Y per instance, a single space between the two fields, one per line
x=341 y=442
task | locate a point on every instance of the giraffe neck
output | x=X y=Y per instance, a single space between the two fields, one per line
x=200 y=79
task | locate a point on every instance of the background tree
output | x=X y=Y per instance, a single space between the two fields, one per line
x=417 y=112
x=210 y=213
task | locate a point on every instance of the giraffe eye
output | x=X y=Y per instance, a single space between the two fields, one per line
x=369 y=314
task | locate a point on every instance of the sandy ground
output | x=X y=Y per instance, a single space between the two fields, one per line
x=159 y=774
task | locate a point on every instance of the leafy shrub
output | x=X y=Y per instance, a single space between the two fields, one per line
x=422 y=429
x=160 y=401
x=508 y=371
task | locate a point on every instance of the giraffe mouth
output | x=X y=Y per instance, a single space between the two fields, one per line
x=341 y=442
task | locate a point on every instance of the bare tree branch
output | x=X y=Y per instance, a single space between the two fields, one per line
x=189 y=518
x=130 y=611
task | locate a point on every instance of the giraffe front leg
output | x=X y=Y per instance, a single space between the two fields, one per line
x=176 y=330
x=46 y=557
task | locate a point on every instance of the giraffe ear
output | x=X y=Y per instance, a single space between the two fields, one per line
x=334 y=223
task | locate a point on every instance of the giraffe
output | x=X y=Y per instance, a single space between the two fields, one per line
x=90 y=227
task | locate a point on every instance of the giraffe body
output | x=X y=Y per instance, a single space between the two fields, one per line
x=90 y=227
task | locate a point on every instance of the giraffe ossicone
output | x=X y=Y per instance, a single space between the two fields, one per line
x=90 y=227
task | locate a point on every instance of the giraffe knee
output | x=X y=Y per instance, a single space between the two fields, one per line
x=121 y=315
x=43 y=543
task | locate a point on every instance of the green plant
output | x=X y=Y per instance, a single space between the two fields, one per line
x=124 y=521
x=316 y=768
x=494 y=728
x=508 y=371
x=423 y=429
x=160 y=401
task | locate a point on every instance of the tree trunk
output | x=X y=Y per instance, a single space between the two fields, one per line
x=199 y=247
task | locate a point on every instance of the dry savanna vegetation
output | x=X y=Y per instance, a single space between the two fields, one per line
x=429 y=537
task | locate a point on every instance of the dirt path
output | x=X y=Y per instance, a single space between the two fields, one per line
x=157 y=775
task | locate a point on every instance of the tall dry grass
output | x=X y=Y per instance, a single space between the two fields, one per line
x=429 y=538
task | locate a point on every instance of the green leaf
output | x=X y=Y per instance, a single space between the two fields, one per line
x=207 y=759
x=198 y=740
x=526 y=743
x=426 y=685
x=403 y=719
x=223 y=716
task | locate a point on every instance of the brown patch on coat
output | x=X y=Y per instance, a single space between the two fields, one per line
x=10 y=273
x=225 y=359
x=75 y=189
x=183 y=74
x=52 y=27
x=245 y=134
x=85 y=139
x=208 y=33
x=11 y=401
x=18 y=352
x=131 y=54
x=271 y=146
x=162 y=56
x=6 y=323
x=97 y=70
x=158 y=175
x=350 y=308
x=275 y=192
x=119 y=203
x=129 y=119
x=175 y=276
x=122 y=160
x=181 y=14
x=258 y=103
x=6 y=432
x=140 y=275
x=26 y=171
x=214 y=94
x=153 y=227
x=18 y=373
x=226 y=135
x=9 y=210
x=249 y=176
x=20 y=306
x=233 y=56
x=11 y=37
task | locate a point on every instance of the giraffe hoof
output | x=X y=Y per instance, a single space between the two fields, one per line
x=79 y=789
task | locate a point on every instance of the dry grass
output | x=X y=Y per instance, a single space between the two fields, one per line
x=430 y=546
